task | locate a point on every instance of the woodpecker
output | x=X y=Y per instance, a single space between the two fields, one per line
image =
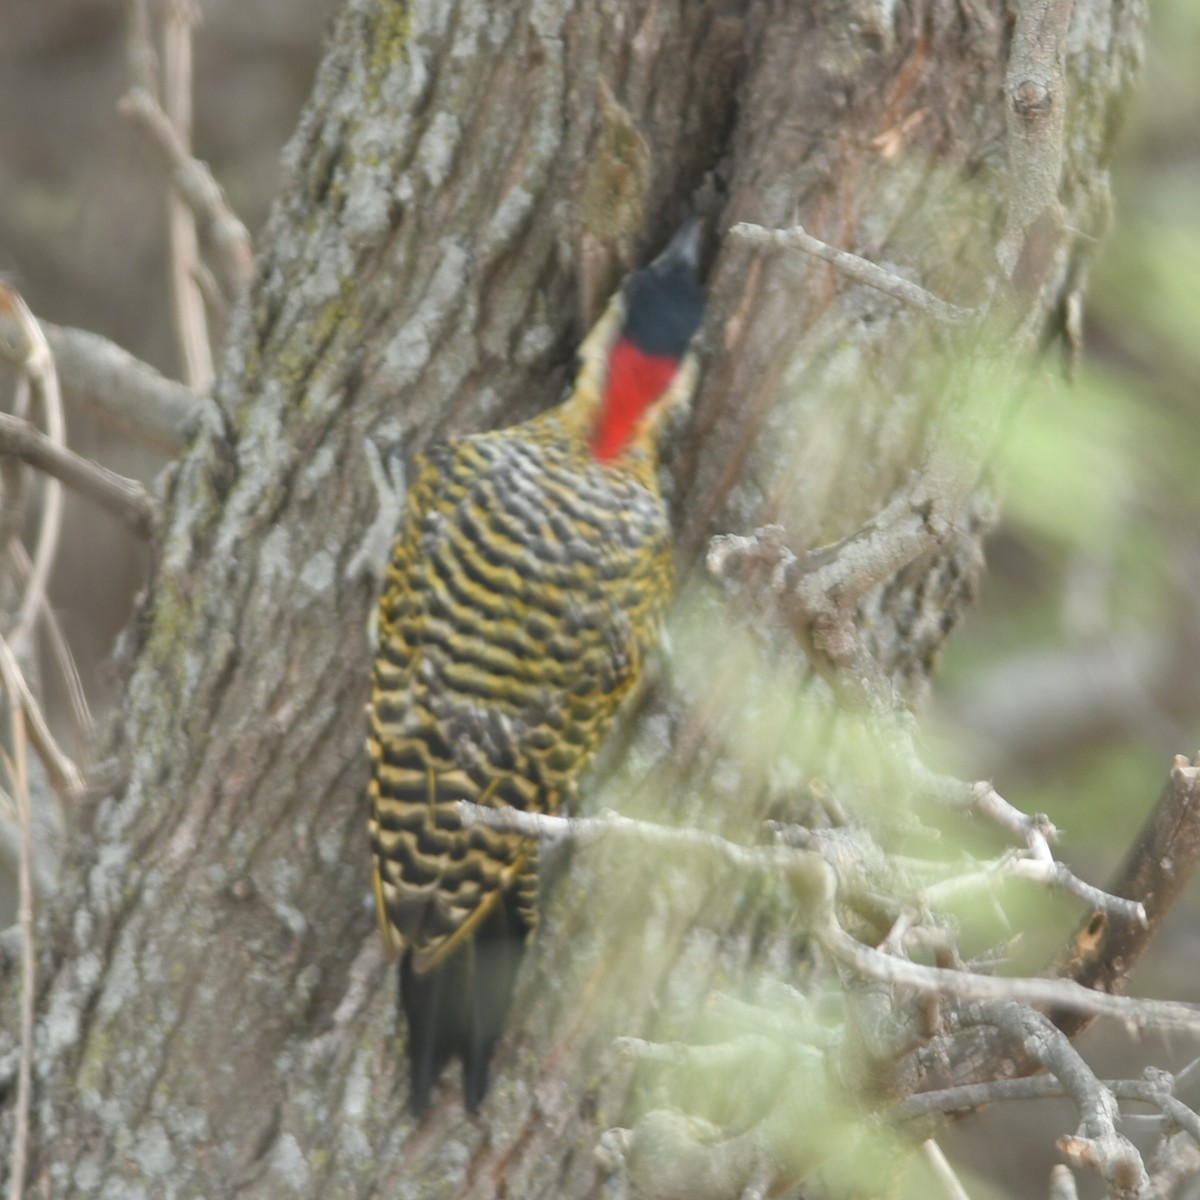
x=526 y=587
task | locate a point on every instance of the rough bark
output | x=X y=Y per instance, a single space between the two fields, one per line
x=215 y=1015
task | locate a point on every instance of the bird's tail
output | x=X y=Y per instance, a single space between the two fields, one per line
x=458 y=1006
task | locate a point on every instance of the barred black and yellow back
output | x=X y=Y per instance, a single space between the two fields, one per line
x=526 y=586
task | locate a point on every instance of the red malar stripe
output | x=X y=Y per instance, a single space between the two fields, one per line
x=635 y=381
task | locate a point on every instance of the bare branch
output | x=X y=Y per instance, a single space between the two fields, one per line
x=15 y=690
x=815 y=884
x=1036 y=94
x=969 y=1096
x=818 y=593
x=1049 y=874
x=124 y=389
x=214 y=300
x=50 y=523
x=125 y=498
x=1161 y=862
x=1157 y=1088
x=1108 y=943
x=228 y=237
x=37 y=362
x=981 y=799
x=1051 y=993
x=766 y=553
x=581 y=830
x=859 y=269
x=1154 y=1090
x=1097 y=1145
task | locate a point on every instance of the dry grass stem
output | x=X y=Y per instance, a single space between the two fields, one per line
x=64 y=661
x=15 y=691
x=37 y=363
x=939 y=1164
x=65 y=777
x=191 y=318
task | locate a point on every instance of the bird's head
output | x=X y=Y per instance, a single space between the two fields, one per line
x=663 y=306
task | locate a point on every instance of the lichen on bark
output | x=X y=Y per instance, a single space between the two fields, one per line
x=214 y=1015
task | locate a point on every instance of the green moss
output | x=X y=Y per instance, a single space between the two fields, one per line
x=296 y=362
x=172 y=622
x=98 y=1053
x=388 y=31
x=617 y=178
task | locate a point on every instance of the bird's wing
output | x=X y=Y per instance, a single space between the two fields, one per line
x=511 y=627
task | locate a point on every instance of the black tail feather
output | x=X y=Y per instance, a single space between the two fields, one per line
x=429 y=1049
x=459 y=1008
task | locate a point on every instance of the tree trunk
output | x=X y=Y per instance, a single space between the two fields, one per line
x=215 y=1016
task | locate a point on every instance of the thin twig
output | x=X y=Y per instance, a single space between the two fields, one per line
x=38 y=364
x=12 y=470
x=214 y=301
x=139 y=47
x=64 y=660
x=944 y=1172
x=192 y=178
x=1039 y=992
x=1156 y=1089
x=123 y=497
x=1106 y=946
x=168 y=127
x=815 y=884
x=860 y=269
x=191 y=318
x=818 y=593
x=1097 y=1145
x=41 y=370
x=970 y=1096
x=982 y=799
x=1049 y=874
x=582 y=830
x=63 y=773
x=126 y=391
x=18 y=773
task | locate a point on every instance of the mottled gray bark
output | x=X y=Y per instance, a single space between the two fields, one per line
x=215 y=1017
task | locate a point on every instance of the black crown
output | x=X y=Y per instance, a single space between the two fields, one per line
x=664 y=302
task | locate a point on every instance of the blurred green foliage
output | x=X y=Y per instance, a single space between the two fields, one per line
x=1100 y=481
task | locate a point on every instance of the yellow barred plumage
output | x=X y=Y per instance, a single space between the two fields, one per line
x=526 y=585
